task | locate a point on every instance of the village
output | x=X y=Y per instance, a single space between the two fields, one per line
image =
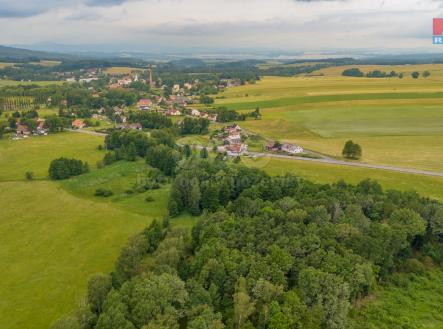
x=177 y=102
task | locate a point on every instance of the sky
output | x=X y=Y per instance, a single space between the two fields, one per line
x=290 y=25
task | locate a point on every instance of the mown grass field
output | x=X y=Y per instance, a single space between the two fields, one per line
x=35 y=153
x=397 y=121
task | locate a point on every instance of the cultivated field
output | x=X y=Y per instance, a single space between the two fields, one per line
x=121 y=70
x=397 y=121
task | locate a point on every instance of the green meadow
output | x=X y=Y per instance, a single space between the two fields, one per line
x=413 y=302
x=55 y=235
x=396 y=121
x=35 y=153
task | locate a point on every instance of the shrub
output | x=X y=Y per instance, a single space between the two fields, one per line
x=149 y=199
x=103 y=192
x=413 y=265
x=29 y=175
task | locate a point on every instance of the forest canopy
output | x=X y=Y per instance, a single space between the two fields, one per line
x=268 y=252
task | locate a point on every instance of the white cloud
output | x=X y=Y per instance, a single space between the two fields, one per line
x=282 y=24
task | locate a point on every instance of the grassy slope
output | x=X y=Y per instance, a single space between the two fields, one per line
x=418 y=304
x=56 y=234
x=52 y=242
x=397 y=122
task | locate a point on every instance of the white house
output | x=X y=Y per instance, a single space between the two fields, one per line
x=292 y=149
x=195 y=112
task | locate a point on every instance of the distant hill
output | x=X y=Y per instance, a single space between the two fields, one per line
x=10 y=54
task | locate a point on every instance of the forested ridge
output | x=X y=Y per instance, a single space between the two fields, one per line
x=268 y=252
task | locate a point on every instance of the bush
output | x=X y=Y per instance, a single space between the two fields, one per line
x=29 y=175
x=103 y=192
x=413 y=265
x=149 y=199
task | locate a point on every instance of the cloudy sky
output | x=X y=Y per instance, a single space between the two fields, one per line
x=222 y=24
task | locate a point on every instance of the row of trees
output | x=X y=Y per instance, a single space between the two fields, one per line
x=356 y=72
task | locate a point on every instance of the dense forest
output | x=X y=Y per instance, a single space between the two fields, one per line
x=268 y=252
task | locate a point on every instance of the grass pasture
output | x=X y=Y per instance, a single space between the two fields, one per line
x=397 y=121
x=35 y=153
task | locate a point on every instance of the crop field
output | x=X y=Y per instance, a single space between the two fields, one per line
x=46 y=63
x=121 y=70
x=396 y=121
x=56 y=234
x=40 y=83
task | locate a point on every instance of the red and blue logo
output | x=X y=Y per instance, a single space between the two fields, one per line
x=438 y=31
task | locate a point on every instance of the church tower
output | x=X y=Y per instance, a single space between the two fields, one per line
x=150 y=74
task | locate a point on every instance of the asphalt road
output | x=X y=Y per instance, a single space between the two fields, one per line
x=351 y=164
